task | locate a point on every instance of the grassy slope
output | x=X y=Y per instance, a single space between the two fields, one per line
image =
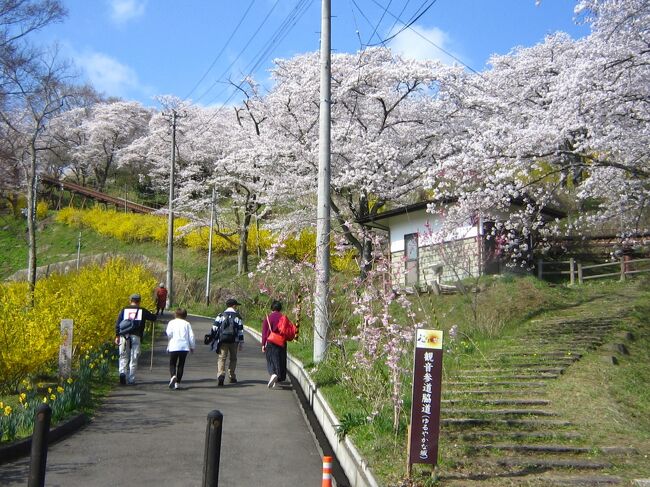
x=615 y=399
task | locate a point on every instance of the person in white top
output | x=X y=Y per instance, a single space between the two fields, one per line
x=181 y=341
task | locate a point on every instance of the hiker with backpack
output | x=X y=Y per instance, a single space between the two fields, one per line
x=277 y=330
x=129 y=329
x=228 y=338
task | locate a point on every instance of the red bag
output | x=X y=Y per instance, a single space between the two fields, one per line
x=276 y=339
x=287 y=329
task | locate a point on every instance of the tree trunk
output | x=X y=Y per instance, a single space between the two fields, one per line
x=242 y=253
x=31 y=217
x=366 y=257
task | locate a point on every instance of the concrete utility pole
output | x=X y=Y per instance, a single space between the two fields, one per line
x=170 y=221
x=322 y=292
x=207 y=278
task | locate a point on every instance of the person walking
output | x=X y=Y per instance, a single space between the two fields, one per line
x=181 y=341
x=129 y=342
x=276 y=355
x=161 y=298
x=228 y=330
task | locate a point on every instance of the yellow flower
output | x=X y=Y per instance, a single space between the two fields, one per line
x=52 y=396
x=45 y=399
x=22 y=397
x=69 y=380
x=49 y=390
x=7 y=410
x=92 y=365
x=2 y=405
x=59 y=389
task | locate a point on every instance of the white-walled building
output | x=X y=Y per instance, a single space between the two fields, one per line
x=418 y=260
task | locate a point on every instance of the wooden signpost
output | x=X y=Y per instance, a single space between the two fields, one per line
x=425 y=405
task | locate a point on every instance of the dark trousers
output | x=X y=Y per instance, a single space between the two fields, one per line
x=276 y=360
x=177 y=363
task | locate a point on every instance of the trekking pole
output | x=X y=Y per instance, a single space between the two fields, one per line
x=39 y=446
x=212 y=449
x=153 y=332
x=327 y=472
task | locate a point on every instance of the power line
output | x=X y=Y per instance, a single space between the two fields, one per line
x=413 y=19
x=409 y=25
x=379 y=23
x=278 y=36
x=214 y=61
x=281 y=32
x=268 y=15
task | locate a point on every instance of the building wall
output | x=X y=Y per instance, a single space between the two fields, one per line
x=457 y=258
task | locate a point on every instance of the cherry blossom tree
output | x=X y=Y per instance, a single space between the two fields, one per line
x=109 y=128
x=558 y=122
x=390 y=120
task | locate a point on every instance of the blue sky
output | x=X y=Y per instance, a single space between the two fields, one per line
x=136 y=49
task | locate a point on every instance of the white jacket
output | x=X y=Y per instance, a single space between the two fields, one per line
x=180 y=334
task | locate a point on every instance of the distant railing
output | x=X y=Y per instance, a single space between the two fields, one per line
x=576 y=270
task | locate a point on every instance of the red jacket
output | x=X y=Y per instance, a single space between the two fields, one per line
x=161 y=296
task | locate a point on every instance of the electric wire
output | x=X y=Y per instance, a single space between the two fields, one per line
x=278 y=36
x=281 y=32
x=379 y=23
x=409 y=25
x=221 y=51
x=417 y=16
x=241 y=52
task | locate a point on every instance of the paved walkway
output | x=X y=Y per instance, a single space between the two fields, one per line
x=147 y=434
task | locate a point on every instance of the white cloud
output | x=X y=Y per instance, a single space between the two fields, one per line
x=125 y=10
x=412 y=44
x=109 y=76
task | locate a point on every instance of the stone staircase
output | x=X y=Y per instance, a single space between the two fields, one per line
x=498 y=418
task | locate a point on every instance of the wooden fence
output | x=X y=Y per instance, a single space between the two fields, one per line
x=576 y=271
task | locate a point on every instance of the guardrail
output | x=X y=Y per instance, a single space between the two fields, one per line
x=576 y=270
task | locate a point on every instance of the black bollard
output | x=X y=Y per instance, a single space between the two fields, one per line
x=39 y=446
x=212 y=449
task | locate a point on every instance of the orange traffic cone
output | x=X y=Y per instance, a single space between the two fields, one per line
x=327 y=472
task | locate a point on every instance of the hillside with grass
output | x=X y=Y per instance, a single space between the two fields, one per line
x=543 y=384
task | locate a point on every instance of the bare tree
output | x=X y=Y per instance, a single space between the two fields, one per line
x=38 y=92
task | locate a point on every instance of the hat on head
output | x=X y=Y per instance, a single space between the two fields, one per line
x=162 y=284
x=232 y=302
x=135 y=297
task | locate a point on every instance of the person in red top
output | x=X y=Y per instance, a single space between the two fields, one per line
x=161 y=298
x=276 y=356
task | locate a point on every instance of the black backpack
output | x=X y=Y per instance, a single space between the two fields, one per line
x=128 y=325
x=228 y=328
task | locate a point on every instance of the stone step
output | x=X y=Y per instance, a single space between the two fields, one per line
x=494 y=383
x=499 y=412
x=534 y=480
x=510 y=422
x=547 y=463
x=571 y=342
x=554 y=448
x=555 y=480
x=554 y=353
x=521 y=435
x=492 y=392
x=495 y=402
x=544 y=376
x=517 y=369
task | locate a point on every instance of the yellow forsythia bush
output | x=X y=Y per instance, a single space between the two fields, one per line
x=92 y=298
x=41 y=210
x=130 y=227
